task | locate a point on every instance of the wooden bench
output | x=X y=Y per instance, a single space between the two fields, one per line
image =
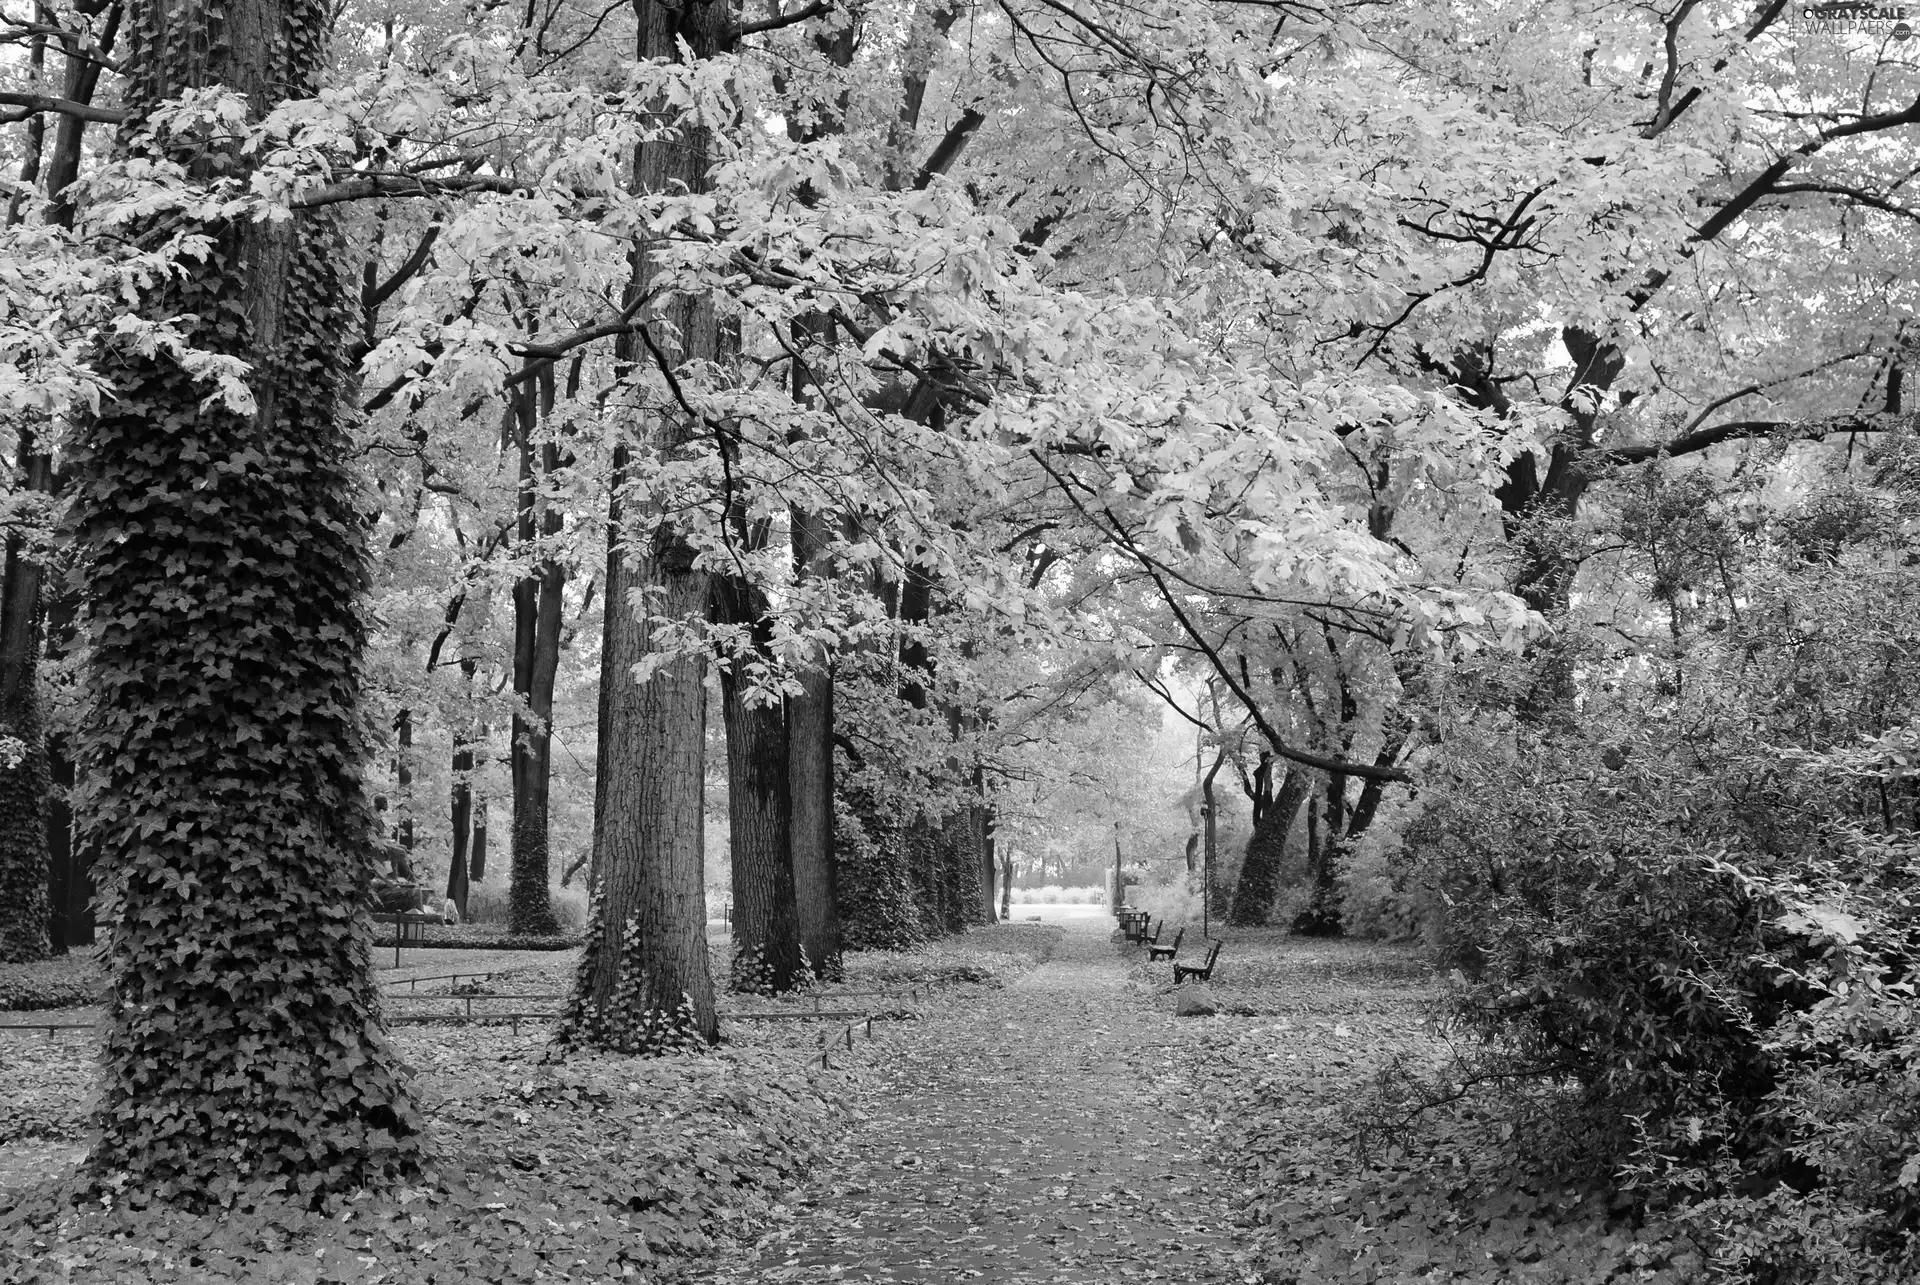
x=1156 y=952
x=1201 y=972
x=1151 y=940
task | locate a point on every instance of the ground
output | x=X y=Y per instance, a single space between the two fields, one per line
x=1028 y=1110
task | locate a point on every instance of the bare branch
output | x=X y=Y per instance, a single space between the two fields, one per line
x=35 y=104
x=798 y=16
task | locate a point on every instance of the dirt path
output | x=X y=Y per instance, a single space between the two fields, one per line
x=1038 y=1135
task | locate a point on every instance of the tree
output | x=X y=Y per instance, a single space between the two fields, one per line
x=224 y=563
x=644 y=983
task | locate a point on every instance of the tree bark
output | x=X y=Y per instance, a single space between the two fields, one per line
x=537 y=619
x=477 y=867
x=1266 y=850
x=644 y=983
x=224 y=563
x=767 y=954
x=810 y=779
x=403 y=791
x=460 y=808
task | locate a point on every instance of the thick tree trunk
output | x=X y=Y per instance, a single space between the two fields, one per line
x=1266 y=850
x=644 y=983
x=810 y=779
x=224 y=563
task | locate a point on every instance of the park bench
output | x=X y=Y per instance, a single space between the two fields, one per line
x=1156 y=952
x=1201 y=972
x=1129 y=920
x=1152 y=939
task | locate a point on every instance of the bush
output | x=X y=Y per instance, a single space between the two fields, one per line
x=1684 y=920
x=488 y=905
x=71 y=981
x=1054 y=895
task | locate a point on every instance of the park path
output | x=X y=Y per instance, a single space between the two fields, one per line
x=1044 y=1133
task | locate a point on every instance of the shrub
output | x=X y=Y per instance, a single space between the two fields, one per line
x=72 y=981
x=1685 y=927
x=1054 y=895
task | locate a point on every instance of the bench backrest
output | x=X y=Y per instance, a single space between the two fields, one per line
x=1177 y=936
x=1213 y=954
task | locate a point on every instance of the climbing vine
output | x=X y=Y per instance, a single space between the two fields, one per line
x=224 y=562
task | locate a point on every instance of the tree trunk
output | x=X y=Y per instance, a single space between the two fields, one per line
x=1006 y=884
x=403 y=781
x=460 y=807
x=537 y=619
x=1266 y=850
x=222 y=740
x=810 y=779
x=767 y=955
x=644 y=984
x=983 y=825
x=25 y=777
x=477 y=867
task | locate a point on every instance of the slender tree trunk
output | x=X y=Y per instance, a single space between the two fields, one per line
x=537 y=616
x=403 y=801
x=983 y=824
x=767 y=954
x=460 y=808
x=810 y=777
x=224 y=564
x=1006 y=883
x=477 y=866
x=644 y=983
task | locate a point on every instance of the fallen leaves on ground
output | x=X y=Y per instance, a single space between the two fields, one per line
x=1292 y=1082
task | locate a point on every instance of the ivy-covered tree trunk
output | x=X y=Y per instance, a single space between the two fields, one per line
x=1259 y=880
x=222 y=746
x=644 y=983
x=537 y=600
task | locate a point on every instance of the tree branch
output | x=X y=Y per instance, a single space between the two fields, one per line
x=1737 y=430
x=366 y=186
x=798 y=16
x=33 y=104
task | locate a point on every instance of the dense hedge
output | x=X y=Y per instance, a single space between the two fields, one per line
x=71 y=982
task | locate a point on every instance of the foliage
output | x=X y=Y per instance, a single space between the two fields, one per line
x=1053 y=894
x=1683 y=923
x=23 y=818
x=487 y=906
x=481 y=937
x=70 y=981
